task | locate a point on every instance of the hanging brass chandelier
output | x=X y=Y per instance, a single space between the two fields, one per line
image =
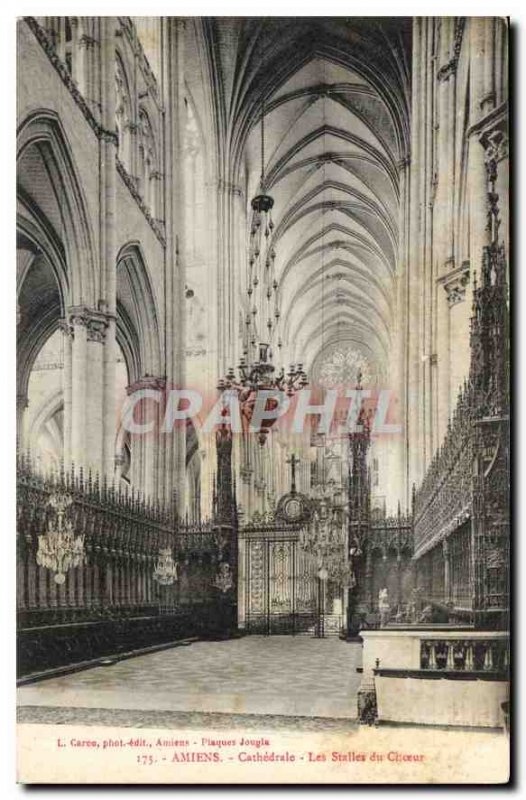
x=165 y=572
x=256 y=370
x=59 y=550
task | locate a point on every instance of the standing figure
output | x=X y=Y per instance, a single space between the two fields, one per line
x=383 y=607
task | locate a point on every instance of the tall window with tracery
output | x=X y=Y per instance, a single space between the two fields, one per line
x=123 y=121
x=148 y=171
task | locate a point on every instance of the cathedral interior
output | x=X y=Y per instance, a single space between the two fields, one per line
x=212 y=208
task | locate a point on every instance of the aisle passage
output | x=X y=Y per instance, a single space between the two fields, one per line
x=282 y=675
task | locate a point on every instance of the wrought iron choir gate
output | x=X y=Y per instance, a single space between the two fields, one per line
x=280 y=591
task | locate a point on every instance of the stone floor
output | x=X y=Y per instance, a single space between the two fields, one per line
x=281 y=676
x=180 y=720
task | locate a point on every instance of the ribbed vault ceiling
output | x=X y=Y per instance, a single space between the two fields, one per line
x=336 y=129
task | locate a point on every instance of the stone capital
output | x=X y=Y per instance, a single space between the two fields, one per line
x=66 y=327
x=455 y=282
x=95 y=322
x=77 y=317
x=97 y=330
x=495 y=143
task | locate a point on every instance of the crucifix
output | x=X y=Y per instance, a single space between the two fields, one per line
x=293 y=461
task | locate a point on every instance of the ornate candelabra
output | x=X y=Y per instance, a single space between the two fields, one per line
x=359 y=479
x=325 y=538
x=59 y=550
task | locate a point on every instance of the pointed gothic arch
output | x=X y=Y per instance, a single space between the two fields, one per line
x=138 y=321
x=55 y=239
x=53 y=206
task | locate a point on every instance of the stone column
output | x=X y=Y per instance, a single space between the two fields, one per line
x=172 y=456
x=478 y=189
x=482 y=101
x=145 y=447
x=87 y=357
x=429 y=179
x=445 y=247
x=477 y=42
x=89 y=46
x=108 y=254
x=444 y=215
x=82 y=44
x=415 y=341
x=67 y=338
x=502 y=189
x=74 y=50
x=60 y=31
x=78 y=387
x=443 y=362
x=501 y=60
x=225 y=263
x=95 y=348
x=487 y=102
x=444 y=206
x=450 y=89
x=136 y=440
x=399 y=375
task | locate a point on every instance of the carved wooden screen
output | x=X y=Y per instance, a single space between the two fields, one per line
x=461 y=567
